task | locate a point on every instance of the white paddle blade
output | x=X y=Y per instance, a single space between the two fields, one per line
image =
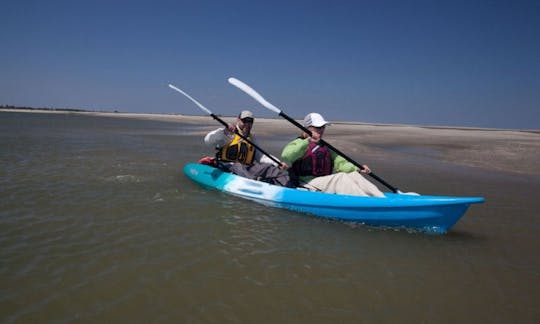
x=190 y=98
x=253 y=94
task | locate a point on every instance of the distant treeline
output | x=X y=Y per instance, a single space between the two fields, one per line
x=49 y=109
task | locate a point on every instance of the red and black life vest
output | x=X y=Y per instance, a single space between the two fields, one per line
x=317 y=161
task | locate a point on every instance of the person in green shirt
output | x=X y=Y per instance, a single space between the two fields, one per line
x=320 y=169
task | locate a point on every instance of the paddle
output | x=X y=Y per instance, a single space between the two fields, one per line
x=255 y=95
x=224 y=123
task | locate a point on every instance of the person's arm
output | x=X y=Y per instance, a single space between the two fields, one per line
x=294 y=150
x=217 y=138
x=342 y=165
x=260 y=157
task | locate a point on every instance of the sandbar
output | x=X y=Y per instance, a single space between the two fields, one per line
x=506 y=150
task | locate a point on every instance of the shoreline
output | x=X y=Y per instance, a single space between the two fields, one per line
x=201 y=118
x=509 y=151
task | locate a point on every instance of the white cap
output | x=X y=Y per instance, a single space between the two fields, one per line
x=245 y=114
x=315 y=120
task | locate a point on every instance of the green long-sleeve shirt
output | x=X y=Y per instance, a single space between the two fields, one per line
x=297 y=148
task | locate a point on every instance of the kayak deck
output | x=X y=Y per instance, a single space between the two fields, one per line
x=431 y=214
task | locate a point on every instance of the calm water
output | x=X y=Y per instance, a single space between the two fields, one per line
x=98 y=224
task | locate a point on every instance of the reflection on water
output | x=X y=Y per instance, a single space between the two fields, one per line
x=98 y=224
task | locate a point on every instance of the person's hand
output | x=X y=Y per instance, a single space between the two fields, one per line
x=365 y=169
x=230 y=129
x=283 y=166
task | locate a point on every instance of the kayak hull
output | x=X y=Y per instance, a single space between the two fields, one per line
x=431 y=214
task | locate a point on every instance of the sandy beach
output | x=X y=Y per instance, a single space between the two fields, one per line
x=512 y=151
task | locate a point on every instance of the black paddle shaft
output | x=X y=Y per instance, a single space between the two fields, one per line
x=246 y=139
x=330 y=146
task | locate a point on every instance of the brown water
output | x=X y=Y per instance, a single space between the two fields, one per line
x=98 y=224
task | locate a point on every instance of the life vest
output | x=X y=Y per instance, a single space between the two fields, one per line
x=238 y=150
x=317 y=161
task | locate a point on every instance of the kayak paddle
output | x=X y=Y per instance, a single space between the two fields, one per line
x=255 y=95
x=224 y=123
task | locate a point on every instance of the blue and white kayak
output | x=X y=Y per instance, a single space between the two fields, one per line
x=431 y=214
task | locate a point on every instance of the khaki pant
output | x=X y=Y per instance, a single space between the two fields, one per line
x=346 y=184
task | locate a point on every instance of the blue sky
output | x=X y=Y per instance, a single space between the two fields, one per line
x=451 y=63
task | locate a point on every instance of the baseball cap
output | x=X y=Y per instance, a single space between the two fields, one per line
x=315 y=120
x=245 y=114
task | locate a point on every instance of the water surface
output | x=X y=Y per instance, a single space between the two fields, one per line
x=98 y=224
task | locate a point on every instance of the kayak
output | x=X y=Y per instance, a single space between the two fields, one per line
x=430 y=214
